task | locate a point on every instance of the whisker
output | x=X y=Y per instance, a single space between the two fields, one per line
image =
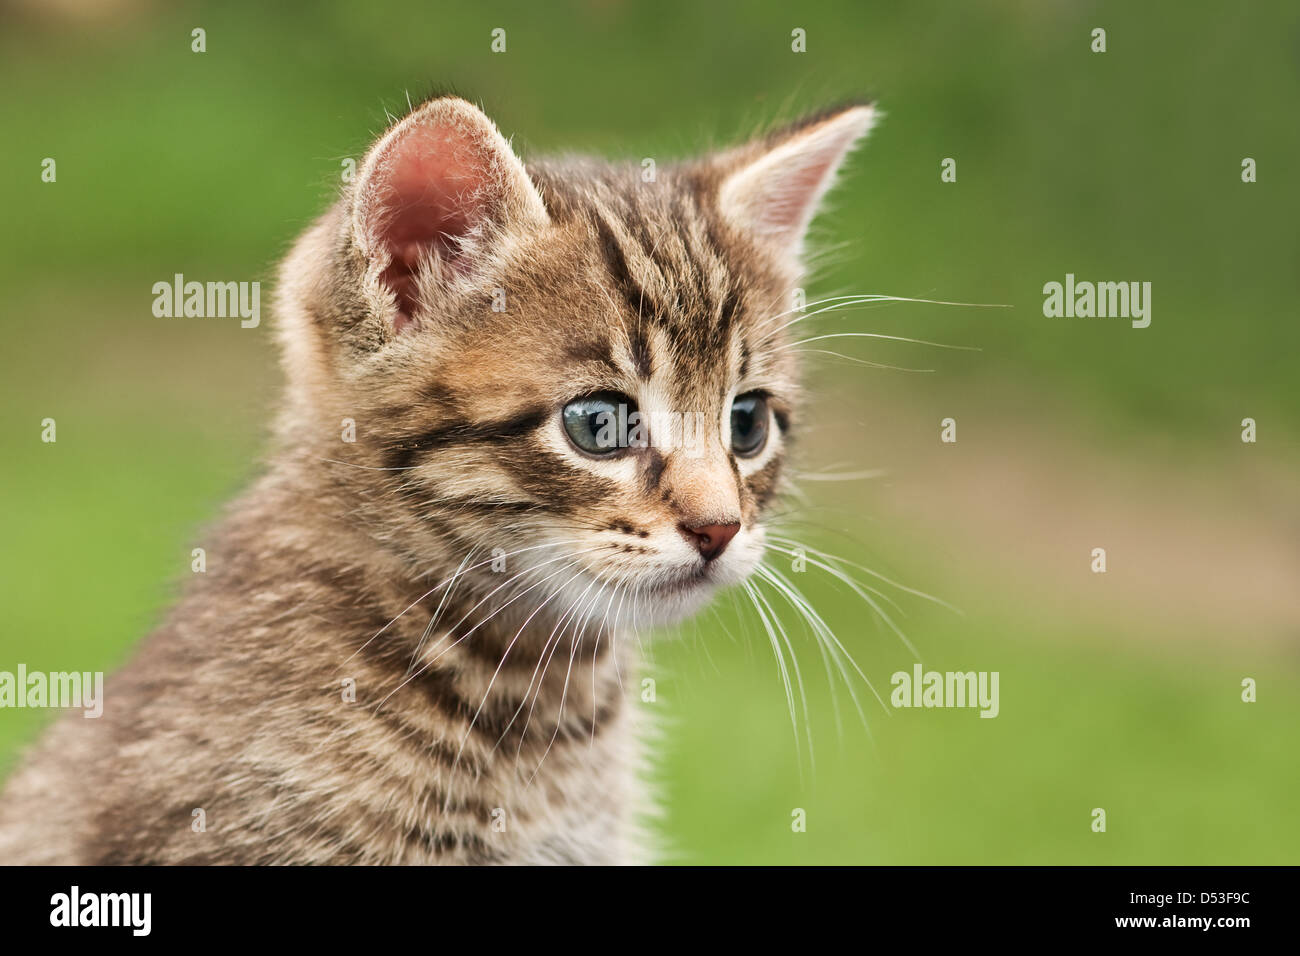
x=861 y=361
x=613 y=637
x=780 y=659
x=554 y=544
x=552 y=642
x=800 y=603
x=794 y=663
x=495 y=612
x=437 y=614
x=510 y=646
x=866 y=570
x=841 y=476
x=834 y=573
x=878 y=335
x=564 y=692
x=851 y=302
x=830 y=677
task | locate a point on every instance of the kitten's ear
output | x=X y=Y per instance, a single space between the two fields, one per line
x=771 y=188
x=435 y=191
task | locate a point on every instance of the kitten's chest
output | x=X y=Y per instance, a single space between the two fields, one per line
x=578 y=810
x=551 y=779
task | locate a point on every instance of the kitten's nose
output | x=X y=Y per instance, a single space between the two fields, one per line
x=711 y=539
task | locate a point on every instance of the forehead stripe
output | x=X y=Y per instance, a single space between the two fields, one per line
x=634 y=294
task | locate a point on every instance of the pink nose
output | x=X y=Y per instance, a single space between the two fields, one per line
x=711 y=539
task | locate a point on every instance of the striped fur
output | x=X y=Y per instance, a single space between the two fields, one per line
x=473 y=576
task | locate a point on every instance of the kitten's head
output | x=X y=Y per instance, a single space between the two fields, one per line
x=577 y=368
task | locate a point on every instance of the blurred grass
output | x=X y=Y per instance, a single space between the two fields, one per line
x=1124 y=165
x=1092 y=714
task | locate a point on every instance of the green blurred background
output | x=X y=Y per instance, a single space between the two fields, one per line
x=1118 y=690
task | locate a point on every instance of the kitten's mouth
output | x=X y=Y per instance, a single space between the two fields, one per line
x=689 y=579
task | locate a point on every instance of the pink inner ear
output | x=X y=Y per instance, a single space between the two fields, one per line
x=776 y=194
x=431 y=189
x=791 y=196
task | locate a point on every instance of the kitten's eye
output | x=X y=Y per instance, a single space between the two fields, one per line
x=598 y=424
x=749 y=422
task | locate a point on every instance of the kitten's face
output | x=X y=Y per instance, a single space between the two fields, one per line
x=573 y=417
x=571 y=385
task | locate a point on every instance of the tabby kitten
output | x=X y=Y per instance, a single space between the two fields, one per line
x=415 y=647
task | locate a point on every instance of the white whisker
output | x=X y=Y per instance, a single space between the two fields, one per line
x=552 y=544
x=866 y=570
x=841 y=476
x=878 y=335
x=780 y=658
x=494 y=613
x=861 y=361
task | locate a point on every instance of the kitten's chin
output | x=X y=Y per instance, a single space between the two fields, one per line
x=682 y=595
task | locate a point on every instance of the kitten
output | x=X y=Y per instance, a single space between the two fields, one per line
x=415 y=647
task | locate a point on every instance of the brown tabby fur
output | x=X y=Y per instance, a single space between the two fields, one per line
x=512 y=742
